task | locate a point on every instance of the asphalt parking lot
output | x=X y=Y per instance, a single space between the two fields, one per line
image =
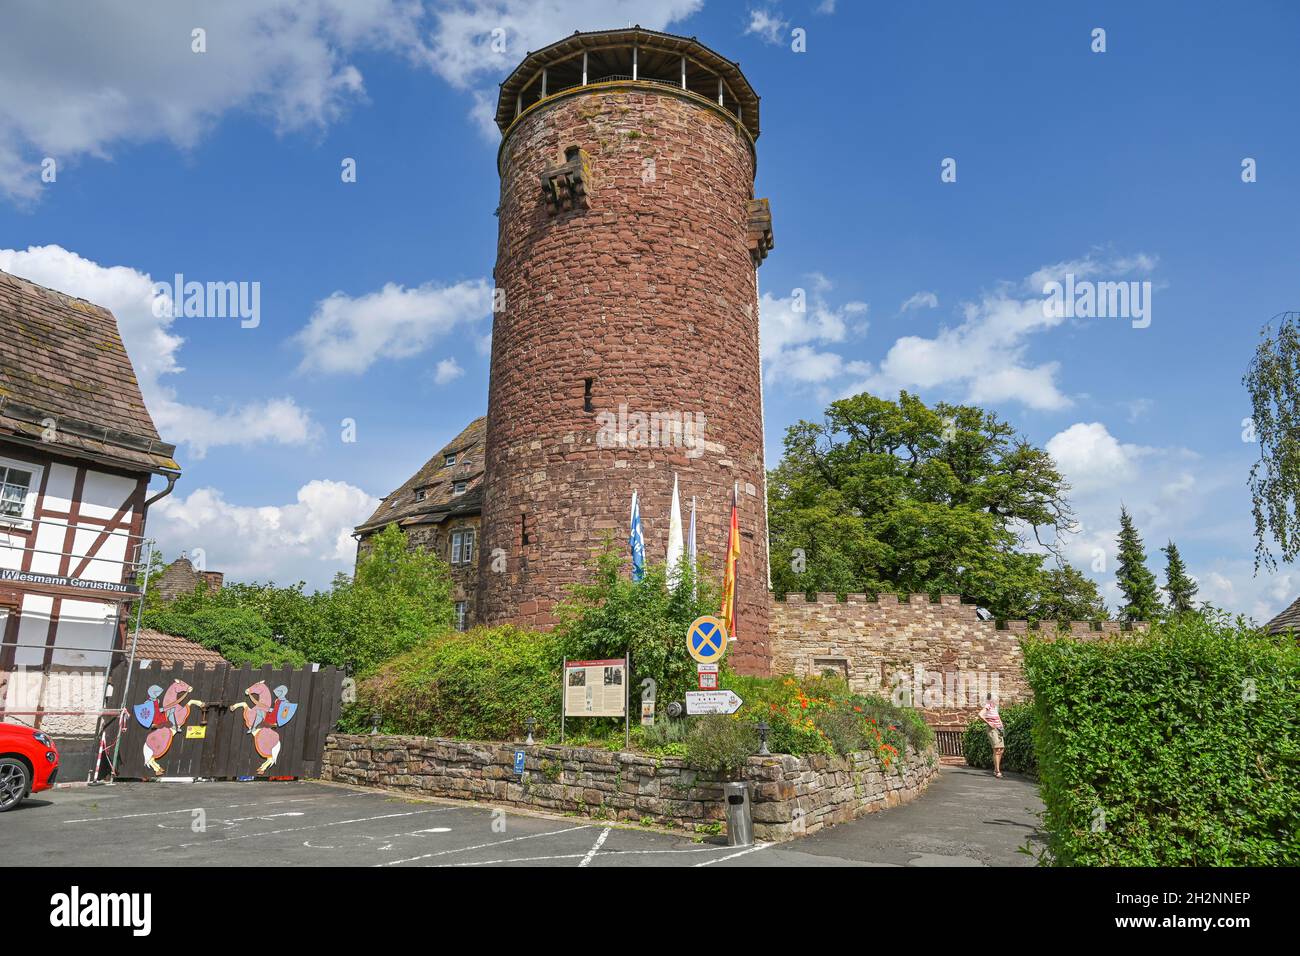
x=962 y=820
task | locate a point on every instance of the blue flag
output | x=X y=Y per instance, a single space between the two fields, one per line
x=636 y=541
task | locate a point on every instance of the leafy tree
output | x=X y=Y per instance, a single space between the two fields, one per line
x=237 y=634
x=399 y=598
x=1136 y=582
x=898 y=496
x=1273 y=382
x=1178 y=583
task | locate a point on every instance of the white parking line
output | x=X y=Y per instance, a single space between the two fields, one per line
x=162 y=813
x=314 y=826
x=483 y=846
x=595 y=847
x=722 y=859
x=520 y=859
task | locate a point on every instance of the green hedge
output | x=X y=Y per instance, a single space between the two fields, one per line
x=1017 y=734
x=480 y=684
x=1177 y=748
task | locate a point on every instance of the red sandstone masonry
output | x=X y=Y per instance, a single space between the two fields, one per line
x=792 y=796
x=873 y=640
x=652 y=294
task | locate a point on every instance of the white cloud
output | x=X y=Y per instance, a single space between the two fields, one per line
x=308 y=539
x=448 y=371
x=80 y=80
x=1091 y=457
x=792 y=325
x=348 y=335
x=767 y=25
x=153 y=347
x=920 y=300
x=987 y=354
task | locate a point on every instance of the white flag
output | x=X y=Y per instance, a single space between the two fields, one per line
x=675 y=544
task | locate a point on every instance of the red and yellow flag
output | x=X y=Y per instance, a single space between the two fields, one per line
x=728 y=613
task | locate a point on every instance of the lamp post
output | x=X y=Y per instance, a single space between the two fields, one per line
x=763 y=729
x=530 y=723
x=375 y=720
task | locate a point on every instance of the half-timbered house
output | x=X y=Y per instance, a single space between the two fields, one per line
x=78 y=451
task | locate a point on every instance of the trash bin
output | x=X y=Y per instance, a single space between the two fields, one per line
x=740 y=820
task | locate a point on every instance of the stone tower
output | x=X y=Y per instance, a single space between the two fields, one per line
x=625 y=339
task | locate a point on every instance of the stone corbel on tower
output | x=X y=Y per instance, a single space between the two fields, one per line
x=565 y=186
x=759 y=230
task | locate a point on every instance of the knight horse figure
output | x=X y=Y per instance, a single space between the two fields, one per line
x=266 y=711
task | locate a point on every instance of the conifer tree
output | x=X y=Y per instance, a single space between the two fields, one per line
x=1136 y=582
x=1178 y=583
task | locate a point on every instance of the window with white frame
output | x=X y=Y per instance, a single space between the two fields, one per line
x=462 y=546
x=19 y=482
x=448 y=460
x=462 y=615
x=458 y=488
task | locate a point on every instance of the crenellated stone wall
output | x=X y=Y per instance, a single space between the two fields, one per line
x=792 y=796
x=940 y=652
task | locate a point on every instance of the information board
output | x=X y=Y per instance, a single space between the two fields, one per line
x=595 y=688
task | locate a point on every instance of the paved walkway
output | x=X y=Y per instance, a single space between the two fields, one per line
x=966 y=817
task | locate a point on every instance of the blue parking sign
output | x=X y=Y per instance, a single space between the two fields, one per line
x=519 y=762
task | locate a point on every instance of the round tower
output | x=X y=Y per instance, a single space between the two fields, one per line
x=625 y=335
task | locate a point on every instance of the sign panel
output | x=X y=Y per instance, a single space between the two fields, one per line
x=64 y=581
x=712 y=702
x=707 y=676
x=706 y=639
x=519 y=762
x=595 y=688
x=647 y=713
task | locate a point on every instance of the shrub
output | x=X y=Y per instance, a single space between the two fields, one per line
x=1177 y=748
x=480 y=684
x=610 y=614
x=820 y=715
x=1017 y=734
x=237 y=634
x=721 y=744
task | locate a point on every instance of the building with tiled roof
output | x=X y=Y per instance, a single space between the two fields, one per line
x=170 y=649
x=78 y=450
x=1288 y=620
x=438 y=508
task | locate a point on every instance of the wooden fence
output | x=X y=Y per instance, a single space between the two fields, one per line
x=218 y=721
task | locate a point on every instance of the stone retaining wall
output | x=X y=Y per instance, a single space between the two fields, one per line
x=792 y=796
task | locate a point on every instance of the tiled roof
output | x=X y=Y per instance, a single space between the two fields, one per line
x=62 y=358
x=437 y=480
x=1287 y=620
x=170 y=649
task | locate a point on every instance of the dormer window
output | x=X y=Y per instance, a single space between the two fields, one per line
x=448 y=460
x=459 y=487
x=421 y=494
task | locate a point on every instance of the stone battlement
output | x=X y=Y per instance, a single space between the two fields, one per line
x=937 y=654
x=968 y=612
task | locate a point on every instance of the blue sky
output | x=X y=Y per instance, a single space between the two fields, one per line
x=1114 y=166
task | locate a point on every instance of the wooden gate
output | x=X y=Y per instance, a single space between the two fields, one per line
x=218 y=721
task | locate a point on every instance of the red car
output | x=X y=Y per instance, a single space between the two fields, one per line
x=29 y=762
